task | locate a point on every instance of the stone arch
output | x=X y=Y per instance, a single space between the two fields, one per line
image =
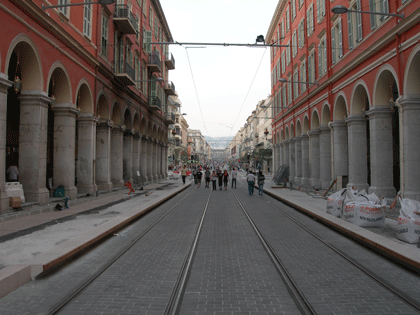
x=412 y=73
x=136 y=122
x=127 y=119
x=84 y=99
x=360 y=98
x=325 y=118
x=116 y=115
x=298 y=128
x=287 y=135
x=59 y=84
x=281 y=135
x=315 y=120
x=386 y=85
x=143 y=126
x=340 y=107
x=292 y=131
x=102 y=108
x=24 y=49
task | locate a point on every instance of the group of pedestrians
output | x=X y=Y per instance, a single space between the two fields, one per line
x=251 y=178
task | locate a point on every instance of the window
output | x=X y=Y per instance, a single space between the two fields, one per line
x=287 y=20
x=151 y=17
x=293 y=9
x=310 y=19
x=301 y=3
x=63 y=10
x=294 y=43
x=144 y=7
x=144 y=77
x=322 y=57
x=378 y=6
x=128 y=54
x=301 y=31
x=138 y=28
x=278 y=69
x=284 y=95
x=87 y=17
x=288 y=53
x=146 y=41
x=277 y=109
x=283 y=61
x=104 y=35
x=354 y=21
x=289 y=89
x=320 y=9
x=336 y=42
x=311 y=66
x=137 y=70
x=296 y=85
x=283 y=32
x=303 y=76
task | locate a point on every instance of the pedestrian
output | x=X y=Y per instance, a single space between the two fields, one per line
x=251 y=180
x=214 y=179
x=199 y=176
x=184 y=173
x=13 y=173
x=233 y=174
x=207 y=175
x=220 y=176
x=261 y=179
x=194 y=172
x=225 y=179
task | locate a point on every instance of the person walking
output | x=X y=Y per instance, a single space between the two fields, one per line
x=234 y=174
x=220 y=176
x=194 y=172
x=225 y=179
x=184 y=173
x=214 y=179
x=199 y=176
x=207 y=175
x=261 y=179
x=251 y=180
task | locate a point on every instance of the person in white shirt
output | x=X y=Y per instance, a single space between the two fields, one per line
x=251 y=180
x=233 y=174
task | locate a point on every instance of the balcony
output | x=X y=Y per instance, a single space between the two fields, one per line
x=124 y=73
x=170 y=118
x=169 y=88
x=124 y=19
x=154 y=103
x=170 y=61
x=154 y=64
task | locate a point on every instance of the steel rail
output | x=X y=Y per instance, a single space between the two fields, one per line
x=297 y=295
x=397 y=292
x=84 y=284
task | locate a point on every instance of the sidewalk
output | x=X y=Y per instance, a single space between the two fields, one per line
x=382 y=240
x=37 y=239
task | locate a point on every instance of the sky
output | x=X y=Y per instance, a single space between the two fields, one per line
x=219 y=86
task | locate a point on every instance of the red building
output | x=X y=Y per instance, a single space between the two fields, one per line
x=355 y=117
x=90 y=110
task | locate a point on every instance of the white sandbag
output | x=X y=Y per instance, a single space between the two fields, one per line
x=408 y=230
x=349 y=213
x=370 y=214
x=335 y=202
x=408 y=227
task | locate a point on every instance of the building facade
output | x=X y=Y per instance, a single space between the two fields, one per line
x=355 y=118
x=82 y=96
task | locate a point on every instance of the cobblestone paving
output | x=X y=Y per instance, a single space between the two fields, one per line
x=330 y=283
x=232 y=273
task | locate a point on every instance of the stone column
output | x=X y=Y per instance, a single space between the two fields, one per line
x=325 y=156
x=341 y=157
x=128 y=156
x=305 y=160
x=410 y=113
x=86 y=154
x=149 y=160
x=103 y=155
x=286 y=152
x=117 y=139
x=64 y=147
x=153 y=175
x=381 y=155
x=143 y=159
x=136 y=159
x=160 y=160
x=356 y=129
x=292 y=160
x=315 y=163
x=4 y=86
x=281 y=154
x=275 y=156
x=298 y=160
x=33 y=145
x=165 y=157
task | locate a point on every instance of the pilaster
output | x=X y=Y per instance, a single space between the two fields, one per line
x=103 y=155
x=305 y=160
x=314 y=162
x=325 y=156
x=298 y=160
x=117 y=140
x=292 y=160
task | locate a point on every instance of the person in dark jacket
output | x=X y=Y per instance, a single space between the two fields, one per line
x=220 y=176
x=261 y=179
x=225 y=179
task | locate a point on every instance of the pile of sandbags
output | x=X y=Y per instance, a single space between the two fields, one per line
x=408 y=227
x=358 y=207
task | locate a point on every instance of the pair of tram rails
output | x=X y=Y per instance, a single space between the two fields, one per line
x=173 y=306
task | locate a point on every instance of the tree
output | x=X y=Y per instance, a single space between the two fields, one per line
x=184 y=156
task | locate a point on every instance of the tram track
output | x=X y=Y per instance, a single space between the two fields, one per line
x=71 y=296
x=303 y=304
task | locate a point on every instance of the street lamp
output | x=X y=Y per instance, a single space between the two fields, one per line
x=103 y=2
x=287 y=81
x=341 y=9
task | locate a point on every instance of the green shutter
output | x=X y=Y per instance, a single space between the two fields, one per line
x=148 y=46
x=333 y=49
x=350 y=29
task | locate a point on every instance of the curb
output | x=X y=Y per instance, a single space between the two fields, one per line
x=12 y=277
